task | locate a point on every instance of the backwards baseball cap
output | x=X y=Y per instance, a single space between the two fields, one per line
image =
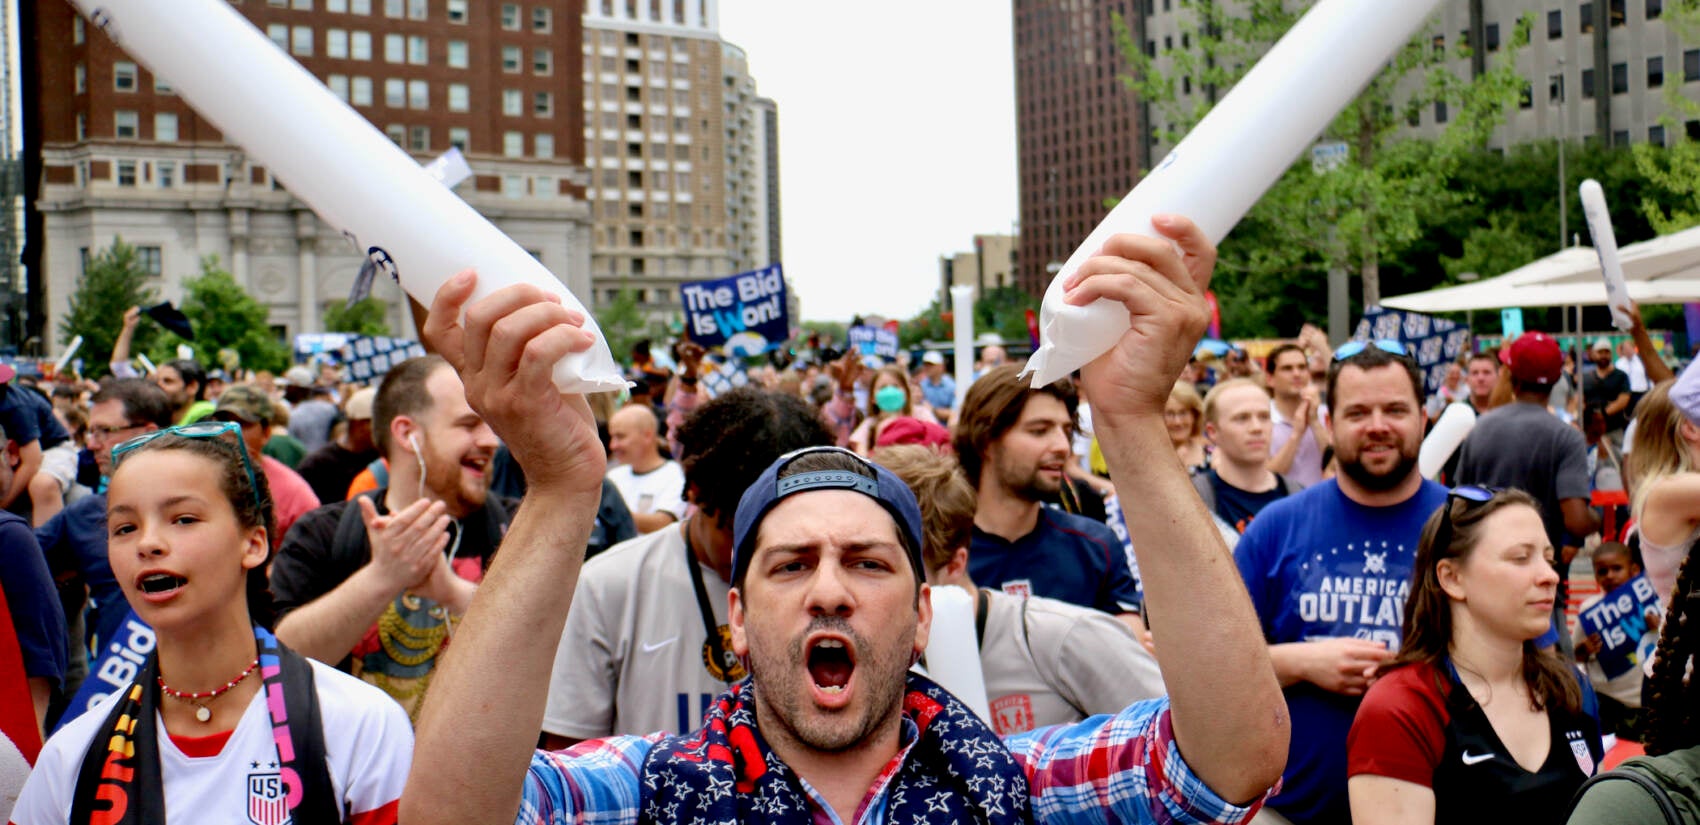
x=244 y=403
x=298 y=376
x=1600 y=344
x=879 y=484
x=1535 y=358
x=359 y=406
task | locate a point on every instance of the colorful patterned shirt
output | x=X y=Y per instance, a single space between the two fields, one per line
x=1121 y=768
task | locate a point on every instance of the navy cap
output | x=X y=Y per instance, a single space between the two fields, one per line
x=886 y=488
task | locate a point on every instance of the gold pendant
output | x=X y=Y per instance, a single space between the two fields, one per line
x=203 y=713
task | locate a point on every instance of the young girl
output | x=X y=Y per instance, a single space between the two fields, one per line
x=221 y=723
x=889 y=397
x=1664 y=478
x=1470 y=722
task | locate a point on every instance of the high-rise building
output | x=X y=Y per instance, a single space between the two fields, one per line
x=991 y=265
x=683 y=153
x=123 y=156
x=1078 y=129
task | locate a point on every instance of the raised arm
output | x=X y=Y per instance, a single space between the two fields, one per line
x=1233 y=732
x=1657 y=369
x=505 y=354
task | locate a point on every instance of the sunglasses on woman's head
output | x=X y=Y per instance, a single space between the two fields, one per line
x=1473 y=495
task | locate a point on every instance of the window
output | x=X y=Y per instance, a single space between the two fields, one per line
x=510 y=16
x=457 y=11
x=418 y=94
x=167 y=174
x=336 y=43
x=393 y=8
x=395 y=48
x=1619 y=16
x=81 y=73
x=457 y=54
x=635 y=238
x=360 y=7
x=301 y=5
x=338 y=6
x=1620 y=137
x=1555 y=24
x=510 y=59
x=395 y=93
x=1439 y=43
x=1654 y=9
x=123 y=76
x=543 y=104
x=1619 y=78
x=1439 y=117
x=1526 y=97
x=1691 y=65
x=419 y=138
x=543 y=145
x=460 y=138
x=417 y=9
x=165 y=127
x=124 y=124
x=1491 y=34
x=397 y=133
x=82 y=126
x=1656 y=135
x=360 y=91
x=1655 y=72
x=77 y=30
x=1692 y=128
x=540 y=19
x=127 y=175
x=360 y=46
x=301 y=41
x=162 y=87
x=542 y=61
x=460 y=99
x=1587 y=84
x=418 y=51
x=513 y=102
x=513 y=144
x=338 y=84
x=1587 y=16
x=513 y=186
x=149 y=259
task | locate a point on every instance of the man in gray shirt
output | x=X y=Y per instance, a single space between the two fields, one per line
x=1524 y=445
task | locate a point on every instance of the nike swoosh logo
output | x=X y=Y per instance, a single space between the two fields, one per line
x=1469 y=758
x=651 y=648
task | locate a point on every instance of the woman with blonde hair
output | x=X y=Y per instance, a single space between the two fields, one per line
x=1663 y=474
x=1184 y=418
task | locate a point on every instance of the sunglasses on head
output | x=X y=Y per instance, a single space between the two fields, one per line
x=199 y=429
x=1473 y=495
x=1387 y=345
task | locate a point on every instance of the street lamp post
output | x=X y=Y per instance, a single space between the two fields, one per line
x=1563 y=188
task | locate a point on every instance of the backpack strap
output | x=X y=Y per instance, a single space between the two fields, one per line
x=1206 y=490
x=350 y=527
x=1654 y=790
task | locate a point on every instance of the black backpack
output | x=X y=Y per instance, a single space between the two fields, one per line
x=1654 y=790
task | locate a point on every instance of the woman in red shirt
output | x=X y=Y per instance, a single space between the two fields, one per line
x=1471 y=722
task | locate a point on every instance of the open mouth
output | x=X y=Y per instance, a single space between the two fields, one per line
x=155 y=584
x=830 y=666
x=476 y=464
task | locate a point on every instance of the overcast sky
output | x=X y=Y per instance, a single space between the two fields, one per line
x=896 y=140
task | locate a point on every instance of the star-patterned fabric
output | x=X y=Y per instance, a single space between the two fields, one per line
x=951 y=768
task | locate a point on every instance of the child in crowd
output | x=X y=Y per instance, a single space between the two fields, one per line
x=1620 y=696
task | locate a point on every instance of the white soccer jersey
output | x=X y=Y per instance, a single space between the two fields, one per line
x=368 y=745
x=661 y=490
x=632 y=657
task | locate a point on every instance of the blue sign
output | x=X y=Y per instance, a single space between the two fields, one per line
x=116 y=667
x=1511 y=322
x=1435 y=342
x=1620 y=620
x=368 y=358
x=874 y=341
x=746 y=314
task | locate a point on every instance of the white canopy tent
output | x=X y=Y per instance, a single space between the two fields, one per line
x=1663 y=270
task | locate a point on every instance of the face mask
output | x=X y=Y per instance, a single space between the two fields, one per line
x=890 y=399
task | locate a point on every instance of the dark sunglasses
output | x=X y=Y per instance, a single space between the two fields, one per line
x=1473 y=495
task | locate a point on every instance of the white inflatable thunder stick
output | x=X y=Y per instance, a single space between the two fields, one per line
x=1236 y=153
x=329 y=156
x=962 y=322
x=1450 y=430
x=1605 y=244
x=953 y=651
x=70 y=352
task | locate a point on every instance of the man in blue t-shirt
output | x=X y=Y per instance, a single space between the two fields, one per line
x=1329 y=568
x=1014 y=443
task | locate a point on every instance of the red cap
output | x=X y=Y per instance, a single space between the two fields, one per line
x=906 y=430
x=1535 y=358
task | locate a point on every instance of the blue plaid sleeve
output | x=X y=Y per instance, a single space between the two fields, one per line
x=1121 y=768
x=592 y=783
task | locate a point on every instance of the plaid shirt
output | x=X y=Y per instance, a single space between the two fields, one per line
x=1122 y=768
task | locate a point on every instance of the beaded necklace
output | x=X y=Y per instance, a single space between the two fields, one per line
x=200 y=698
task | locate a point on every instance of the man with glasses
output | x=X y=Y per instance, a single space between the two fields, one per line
x=75 y=539
x=1329 y=568
x=830 y=609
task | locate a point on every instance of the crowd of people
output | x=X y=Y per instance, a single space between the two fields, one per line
x=1215 y=590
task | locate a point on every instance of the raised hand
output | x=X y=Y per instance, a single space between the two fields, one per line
x=408 y=544
x=505 y=354
x=846 y=370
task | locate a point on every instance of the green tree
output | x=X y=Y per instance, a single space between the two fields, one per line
x=1674 y=172
x=368 y=316
x=223 y=316
x=623 y=323
x=1364 y=212
x=111 y=283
